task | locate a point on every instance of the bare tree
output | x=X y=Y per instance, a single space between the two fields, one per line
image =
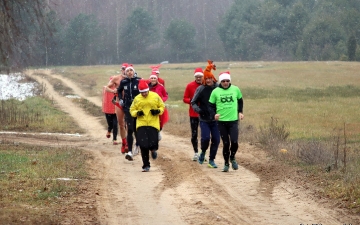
x=19 y=19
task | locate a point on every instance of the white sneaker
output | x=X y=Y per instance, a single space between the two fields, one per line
x=129 y=156
x=196 y=157
x=159 y=135
x=136 y=150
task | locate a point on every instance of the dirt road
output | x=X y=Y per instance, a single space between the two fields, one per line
x=180 y=191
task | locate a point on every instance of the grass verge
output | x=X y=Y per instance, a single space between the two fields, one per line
x=36 y=114
x=35 y=182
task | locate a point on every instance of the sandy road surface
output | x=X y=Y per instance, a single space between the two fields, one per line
x=180 y=191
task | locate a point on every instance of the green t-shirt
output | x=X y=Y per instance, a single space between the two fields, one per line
x=226 y=101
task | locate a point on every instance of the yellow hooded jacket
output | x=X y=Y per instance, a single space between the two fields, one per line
x=152 y=101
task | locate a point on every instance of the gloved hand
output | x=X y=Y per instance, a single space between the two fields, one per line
x=140 y=113
x=121 y=103
x=155 y=112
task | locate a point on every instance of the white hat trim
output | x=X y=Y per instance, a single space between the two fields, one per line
x=224 y=76
x=129 y=67
x=152 y=75
x=144 y=90
x=198 y=74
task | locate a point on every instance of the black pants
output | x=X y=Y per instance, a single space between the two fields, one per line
x=194 y=124
x=112 y=122
x=131 y=129
x=148 y=140
x=229 y=133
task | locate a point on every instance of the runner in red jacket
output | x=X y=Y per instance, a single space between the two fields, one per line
x=156 y=70
x=194 y=117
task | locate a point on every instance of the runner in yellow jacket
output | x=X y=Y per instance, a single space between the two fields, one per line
x=147 y=108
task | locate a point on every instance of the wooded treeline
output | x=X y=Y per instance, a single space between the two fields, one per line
x=88 y=32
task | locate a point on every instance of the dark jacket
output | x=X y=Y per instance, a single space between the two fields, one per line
x=131 y=89
x=200 y=102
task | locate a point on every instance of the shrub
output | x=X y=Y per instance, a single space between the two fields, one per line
x=273 y=133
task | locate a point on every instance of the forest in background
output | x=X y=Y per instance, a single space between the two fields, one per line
x=91 y=32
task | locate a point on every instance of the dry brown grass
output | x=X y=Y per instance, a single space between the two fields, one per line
x=309 y=116
x=297 y=93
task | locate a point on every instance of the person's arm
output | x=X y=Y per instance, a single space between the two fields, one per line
x=240 y=105
x=240 y=108
x=164 y=94
x=161 y=106
x=110 y=86
x=133 y=108
x=120 y=93
x=212 y=103
x=194 y=100
x=187 y=98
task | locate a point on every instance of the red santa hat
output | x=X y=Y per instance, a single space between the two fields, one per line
x=129 y=66
x=198 y=72
x=143 y=86
x=153 y=74
x=156 y=68
x=124 y=65
x=224 y=76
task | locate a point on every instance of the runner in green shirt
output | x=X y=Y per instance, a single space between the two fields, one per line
x=226 y=102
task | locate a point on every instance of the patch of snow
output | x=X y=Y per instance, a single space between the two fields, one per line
x=66 y=179
x=61 y=134
x=72 y=96
x=10 y=87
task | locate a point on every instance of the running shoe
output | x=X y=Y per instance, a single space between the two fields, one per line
x=234 y=164
x=196 y=157
x=153 y=154
x=146 y=169
x=123 y=148
x=129 y=156
x=212 y=164
x=136 y=150
x=201 y=158
x=226 y=168
x=115 y=142
x=126 y=148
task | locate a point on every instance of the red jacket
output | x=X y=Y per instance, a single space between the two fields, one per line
x=160 y=90
x=161 y=81
x=107 y=105
x=188 y=95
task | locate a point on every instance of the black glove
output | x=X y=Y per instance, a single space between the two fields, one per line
x=154 y=112
x=114 y=100
x=140 y=113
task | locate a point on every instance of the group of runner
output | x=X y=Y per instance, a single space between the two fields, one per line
x=214 y=106
x=217 y=108
x=139 y=110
